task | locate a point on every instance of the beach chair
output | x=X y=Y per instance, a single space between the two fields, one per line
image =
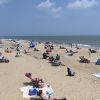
x=70 y=54
x=92 y=51
x=4 y=60
x=83 y=60
x=61 y=47
x=98 y=62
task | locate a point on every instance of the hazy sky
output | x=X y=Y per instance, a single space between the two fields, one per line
x=49 y=17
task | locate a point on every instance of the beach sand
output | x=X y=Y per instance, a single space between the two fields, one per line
x=83 y=86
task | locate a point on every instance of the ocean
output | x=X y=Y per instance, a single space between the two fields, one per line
x=80 y=40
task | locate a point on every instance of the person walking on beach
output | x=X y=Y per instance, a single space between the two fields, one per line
x=18 y=51
x=71 y=45
x=89 y=54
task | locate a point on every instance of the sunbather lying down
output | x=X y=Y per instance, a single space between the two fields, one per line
x=36 y=82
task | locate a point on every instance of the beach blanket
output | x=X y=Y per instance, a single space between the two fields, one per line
x=97 y=75
x=30 y=92
x=25 y=92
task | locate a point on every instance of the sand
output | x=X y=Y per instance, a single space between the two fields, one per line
x=83 y=86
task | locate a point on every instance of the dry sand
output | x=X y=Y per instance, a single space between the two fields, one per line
x=83 y=86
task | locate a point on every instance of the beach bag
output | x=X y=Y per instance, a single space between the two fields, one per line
x=33 y=91
x=98 y=61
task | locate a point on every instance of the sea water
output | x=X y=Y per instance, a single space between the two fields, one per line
x=85 y=41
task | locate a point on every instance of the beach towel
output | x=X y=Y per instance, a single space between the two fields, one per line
x=25 y=92
x=97 y=75
x=29 y=91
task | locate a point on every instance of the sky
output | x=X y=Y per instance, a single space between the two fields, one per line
x=49 y=17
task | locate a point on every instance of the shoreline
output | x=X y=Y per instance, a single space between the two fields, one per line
x=57 y=43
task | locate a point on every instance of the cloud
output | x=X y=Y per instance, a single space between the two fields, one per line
x=56 y=10
x=45 y=4
x=82 y=4
x=2 y=2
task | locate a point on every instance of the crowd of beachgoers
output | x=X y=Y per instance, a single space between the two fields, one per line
x=33 y=70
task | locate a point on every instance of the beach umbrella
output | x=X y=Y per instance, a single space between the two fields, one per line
x=31 y=44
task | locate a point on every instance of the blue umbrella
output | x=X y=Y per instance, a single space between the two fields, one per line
x=32 y=44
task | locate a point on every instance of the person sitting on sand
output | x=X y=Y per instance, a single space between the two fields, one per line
x=67 y=50
x=25 y=51
x=51 y=47
x=42 y=95
x=41 y=84
x=8 y=51
x=36 y=82
x=51 y=58
x=57 y=57
x=45 y=55
x=39 y=93
x=18 y=51
x=70 y=72
x=47 y=51
x=35 y=49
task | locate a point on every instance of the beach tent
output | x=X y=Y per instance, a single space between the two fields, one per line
x=31 y=44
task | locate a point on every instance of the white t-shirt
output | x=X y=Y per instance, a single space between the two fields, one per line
x=1 y=57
